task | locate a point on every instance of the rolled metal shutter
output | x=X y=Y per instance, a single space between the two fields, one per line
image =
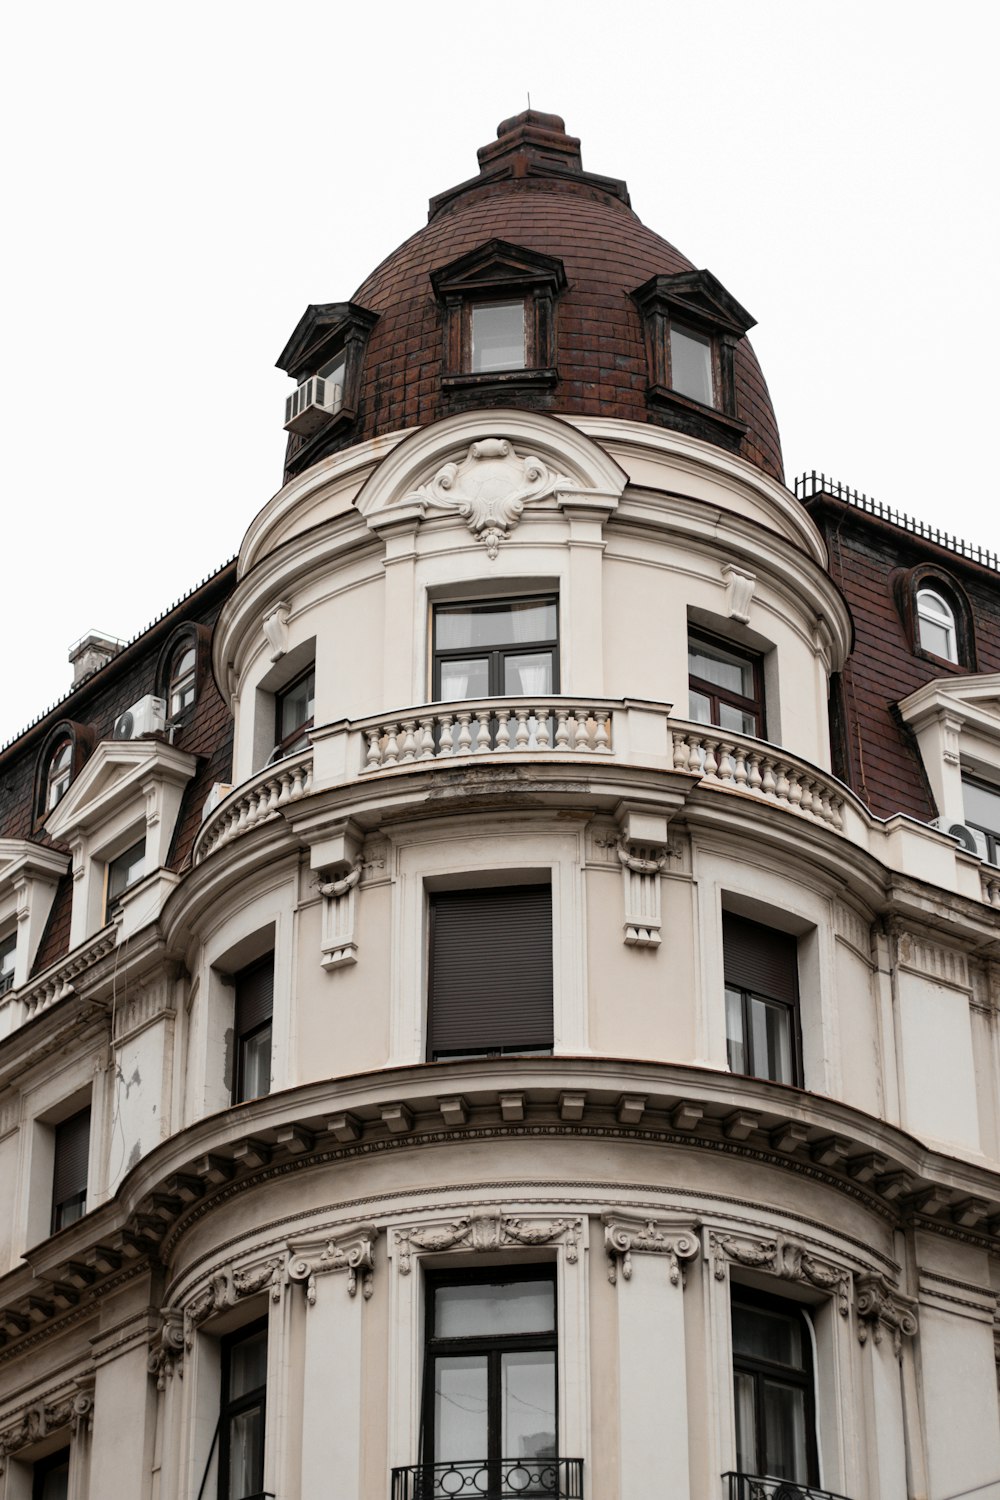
x=72 y=1148
x=254 y=995
x=759 y=959
x=490 y=981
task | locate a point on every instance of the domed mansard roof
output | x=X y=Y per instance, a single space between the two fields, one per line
x=605 y=302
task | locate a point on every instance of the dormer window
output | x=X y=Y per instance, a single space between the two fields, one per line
x=692 y=327
x=8 y=958
x=59 y=774
x=182 y=681
x=936 y=625
x=124 y=872
x=324 y=356
x=497 y=337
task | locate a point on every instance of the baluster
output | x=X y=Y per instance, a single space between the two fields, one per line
x=409 y=747
x=602 y=739
x=522 y=734
x=806 y=805
x=445 y=724
x=464 y=734
x=581 y=738
x=285 y=789
x=781 y=789
x=837 y=808
x=794 y=788
x=427 y=738
x=307 y=778
x=298 y=786
x=826 y=811
x=374 y=757
x=682 y=752
x=768 y=783
x=503 y=733
x=562 y=728
x=264 y=803
x=483 y=741
x=710 y=765
x=242 y=821
x=542 y=729
x=740 y=767
x=391 y=757
x=726 y=762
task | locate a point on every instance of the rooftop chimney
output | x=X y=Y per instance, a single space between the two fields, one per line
x=92 y=651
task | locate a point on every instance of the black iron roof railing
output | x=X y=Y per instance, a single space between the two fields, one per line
x=806 y=486
x=761 y=1487
x=491 y=1479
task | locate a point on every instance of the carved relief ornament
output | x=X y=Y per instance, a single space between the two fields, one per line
x=228 y=1287
x=485 y=1231
x=490 y=487
x=339 y=915
x=74 y=1410
x=622 y=1237
x=784 y=1258
x=352 y=1252
x=166 y=1352
x=882 y=1306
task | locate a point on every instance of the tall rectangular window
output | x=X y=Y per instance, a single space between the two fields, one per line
x=69 y=1170
x=254 y=1015
x=498 y=648
x=774 y=1389
x=490 y=979
x=50 y=1477
x=123 y=872
x=691 y=364
x=762 y=1000
x=294 y=707
x=982 y=815
x=490 y=1402
x=241 y=1418
x=725 y=686
x=8 y=957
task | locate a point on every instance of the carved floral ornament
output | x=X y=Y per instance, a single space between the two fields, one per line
x=353 y=1252
x=678 y=1242
x=225 y=1289
x=74 y=1409
x=485 y=1231
x=490 y=487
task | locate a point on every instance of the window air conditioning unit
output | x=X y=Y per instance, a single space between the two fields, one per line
x=219 y=793
x=312 y=405
x=148 y=716
x=965 y=836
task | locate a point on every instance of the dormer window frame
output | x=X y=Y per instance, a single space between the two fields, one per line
x=497 y=274
x=696 y=304
x=326 y=333
x=171 y=683
x=80 y=740
x=929 y=580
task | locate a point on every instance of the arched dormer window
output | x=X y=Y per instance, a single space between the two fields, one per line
x=182 y=665
x=936 y=629
x=182 y=681
x=62 y=756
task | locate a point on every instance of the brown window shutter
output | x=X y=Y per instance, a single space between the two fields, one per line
x=72 y=1147
x=490 y=969
x=254 y=995
x=760 y=959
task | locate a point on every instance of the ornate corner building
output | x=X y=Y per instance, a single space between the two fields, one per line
x=500 y=984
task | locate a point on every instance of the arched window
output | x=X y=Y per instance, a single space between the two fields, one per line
x=936 y=627
x=59 y=773
x=182 y=682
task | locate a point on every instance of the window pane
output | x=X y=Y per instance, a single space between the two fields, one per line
x=496 y=624
x=494 y=1308
x=296 y=705
x=737 y=719
x=248 y=1365
x=938 y=639
x=691 y=364
x=460 y=1408
x=54 y=1483
x=785 y=1431
x=699 y=707
x=772 y=1336
x=255 y=1058
x=723 y=669
x=498 y=337
x=771 y=1028
x=528 y=1404
x=246 y=1454
x=465 y=679
x=746 y=1423
x=735 y=1042
x=982 y=805
x=527 y=675
x=126 y=869
x=8 y=957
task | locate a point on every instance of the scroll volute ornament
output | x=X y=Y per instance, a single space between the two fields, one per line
x=882 y=1306
x=352 y=1252
x=678 y=1242
x=489 y=488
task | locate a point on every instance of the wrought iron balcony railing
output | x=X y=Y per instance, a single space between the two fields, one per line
x=491 y=1479
x=761 y=1487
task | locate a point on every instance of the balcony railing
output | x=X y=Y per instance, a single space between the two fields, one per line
x=760 y=1487
x=500 y=726
x=497 y=1479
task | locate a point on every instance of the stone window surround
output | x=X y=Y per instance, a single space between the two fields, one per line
x=73 y=1088
x=128 y=788
x=907 y=584
x=29 y=877
x=81 y=738
x=956 y=722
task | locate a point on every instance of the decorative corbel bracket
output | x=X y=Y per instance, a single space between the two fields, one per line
x=275 y=627
x=739 y=591
x=678 y=1241
x=74 y=1409
x=882 y=1306
x=166 y=1352
x=229 y=1286
x=339 y=913
x=643 y=852
x=485 y=1231
x=353 y=1252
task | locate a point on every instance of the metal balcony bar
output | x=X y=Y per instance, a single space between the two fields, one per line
x=763 y=1487
x=491 y=1479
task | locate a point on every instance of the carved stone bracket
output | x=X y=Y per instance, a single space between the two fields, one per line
x=490 y=487
x=275 y=626
x=228 y=1287
x=352 y=1252
x=739 y=591
x=642 y=865
x=166 y=1352
x=679 y=1242
x=784 y=1258
x=484 y=1231
x=339 y=901
x=74 y=1409
x=882 y=1306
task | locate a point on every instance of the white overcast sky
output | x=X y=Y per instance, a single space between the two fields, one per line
x=180 y=181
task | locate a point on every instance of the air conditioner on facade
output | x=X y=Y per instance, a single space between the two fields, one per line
x=309 y=407
x=219 y=793
x=965 y=836
x=148 y=716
